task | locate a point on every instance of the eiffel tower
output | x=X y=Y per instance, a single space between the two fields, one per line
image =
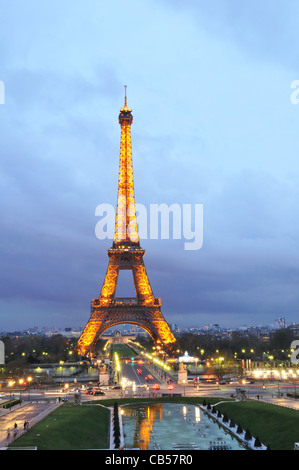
x=144 y=310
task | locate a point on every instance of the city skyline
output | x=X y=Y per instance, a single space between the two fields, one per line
x=124 y=328
x=210 y=88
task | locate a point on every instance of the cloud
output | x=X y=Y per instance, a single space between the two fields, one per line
x=262 y=30
x=209 y=85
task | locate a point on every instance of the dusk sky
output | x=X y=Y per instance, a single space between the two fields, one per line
x=209 y=84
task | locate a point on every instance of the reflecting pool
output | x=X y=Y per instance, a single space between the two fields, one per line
x=173 y=426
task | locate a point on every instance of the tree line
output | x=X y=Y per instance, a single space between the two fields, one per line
x=21 y=352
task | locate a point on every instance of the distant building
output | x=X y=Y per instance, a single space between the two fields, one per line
x=280 y=323
x=186 y=358
x=70 y=333
x=2 y=353
x=295 y=328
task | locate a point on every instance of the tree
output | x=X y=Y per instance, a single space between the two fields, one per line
x=239 y=429
x=116 y=426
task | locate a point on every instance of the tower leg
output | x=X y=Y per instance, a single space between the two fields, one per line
x=102 y=318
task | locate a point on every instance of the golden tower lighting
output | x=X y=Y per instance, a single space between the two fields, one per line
x=144 y=310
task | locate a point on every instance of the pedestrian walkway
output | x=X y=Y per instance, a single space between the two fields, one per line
x=12 y=421
x=280 y=401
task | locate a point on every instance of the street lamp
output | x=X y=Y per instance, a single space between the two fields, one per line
x=196 y=361
x=29 y=379
x=10 y=384
x=21 y=381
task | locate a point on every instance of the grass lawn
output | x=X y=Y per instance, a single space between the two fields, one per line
x=274 y=425
x=69 y=427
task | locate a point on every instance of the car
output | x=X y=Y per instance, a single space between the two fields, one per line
x=170 y=387
x=116 y=387
x=98 y=392
x=156 y=387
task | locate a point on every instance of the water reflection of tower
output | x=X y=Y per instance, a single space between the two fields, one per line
x=144 y=425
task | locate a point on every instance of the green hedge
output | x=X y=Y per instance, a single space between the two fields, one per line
x=11 y=403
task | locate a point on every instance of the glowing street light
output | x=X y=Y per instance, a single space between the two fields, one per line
x=29 y=379
x=10 y=384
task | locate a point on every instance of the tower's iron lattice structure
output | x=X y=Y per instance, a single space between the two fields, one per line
x=144 y=310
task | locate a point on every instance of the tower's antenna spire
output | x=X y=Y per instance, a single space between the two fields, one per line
x=125 y=95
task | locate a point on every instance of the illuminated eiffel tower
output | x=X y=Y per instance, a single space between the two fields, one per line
x=144 y=310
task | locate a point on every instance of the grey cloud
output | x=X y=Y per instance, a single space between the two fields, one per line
x=264 y=29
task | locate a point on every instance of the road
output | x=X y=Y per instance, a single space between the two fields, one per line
x=272 y=392
x=139 y=373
